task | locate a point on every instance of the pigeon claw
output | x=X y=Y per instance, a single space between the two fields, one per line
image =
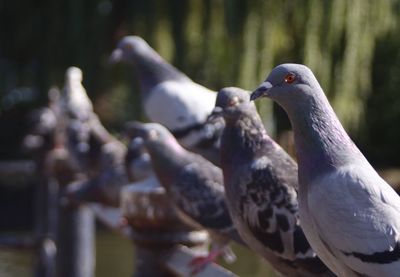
x=198 y=264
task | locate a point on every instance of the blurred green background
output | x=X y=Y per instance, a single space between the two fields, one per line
x=353 y=47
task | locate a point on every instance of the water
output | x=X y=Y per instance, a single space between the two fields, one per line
x=115 y=258
x=16 y=263
x=114 y=255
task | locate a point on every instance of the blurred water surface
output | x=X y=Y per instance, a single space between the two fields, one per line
x=15 y=263
x=115 y=258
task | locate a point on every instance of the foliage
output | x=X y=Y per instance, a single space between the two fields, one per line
x=348 y=44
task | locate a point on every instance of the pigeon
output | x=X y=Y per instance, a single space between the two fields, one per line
x=104 y=168
x=75 y=98
x=105 y=185
x=94 y=151
x=43 y=123
x=137 y=161
x=349 y=214
x=195 y=186
x=261 y=184
x=171 y=98
x=78 y=110
x=43 y=126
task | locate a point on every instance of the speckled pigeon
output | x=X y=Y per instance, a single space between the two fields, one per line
x=261 y=189
x=193 y=183
x=170 y=98
x=349 y=214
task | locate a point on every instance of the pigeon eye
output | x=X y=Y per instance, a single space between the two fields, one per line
x=153 y=135
x=128 y=47
x=290 y=78
x=234 y=101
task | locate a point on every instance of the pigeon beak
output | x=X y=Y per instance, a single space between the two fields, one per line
x=261 y=90
x=116 y=56
x=215 y=114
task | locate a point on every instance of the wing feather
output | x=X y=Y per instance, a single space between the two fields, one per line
x=358 y=215
x=200 y=195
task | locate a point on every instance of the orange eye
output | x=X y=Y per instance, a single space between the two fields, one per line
x=234 y=101
x=290 y=78
x=128 y=46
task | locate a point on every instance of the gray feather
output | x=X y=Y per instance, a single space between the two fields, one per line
x=194 y=184
x=261 y=189
x=185 y=104
x=350 y=215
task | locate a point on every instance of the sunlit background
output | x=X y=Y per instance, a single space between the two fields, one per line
x=353 y=47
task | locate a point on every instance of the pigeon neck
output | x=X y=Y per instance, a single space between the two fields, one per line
x=243 y=139
x=322 y=144
x=153 y=69
x=167 y=160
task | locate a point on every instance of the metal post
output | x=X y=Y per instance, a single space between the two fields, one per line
x=76 y=243
x=76 y=224
x=46 y=227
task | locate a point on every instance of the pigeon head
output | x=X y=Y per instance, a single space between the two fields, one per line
x=227 y=98
x=231 y=96
x=128 y=48
x=136 y=147
x=137 y=160
x=164 y=150
x=321 y=141
x=73 y=74
x=154 y=135
x=147 y=131
x=287 y=84
x=150 y=66
x=232 y=103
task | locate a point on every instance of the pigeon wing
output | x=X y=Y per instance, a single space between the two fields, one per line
x=269 y=206
x=200 y=195
x=352 y=218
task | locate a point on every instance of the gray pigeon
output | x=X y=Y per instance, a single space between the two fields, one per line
x=94 y=151
x=78 y=110
x=137 y=161
x=350 y=215
x=105 y=185
x=193 y=183
x=261 y=189
x=42 y=125
x=75 y=98
x=170 y=98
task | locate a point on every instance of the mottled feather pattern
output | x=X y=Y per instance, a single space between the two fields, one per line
x=271 y=212
x=200 y=195
x=261 y=187
x=252 y=136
